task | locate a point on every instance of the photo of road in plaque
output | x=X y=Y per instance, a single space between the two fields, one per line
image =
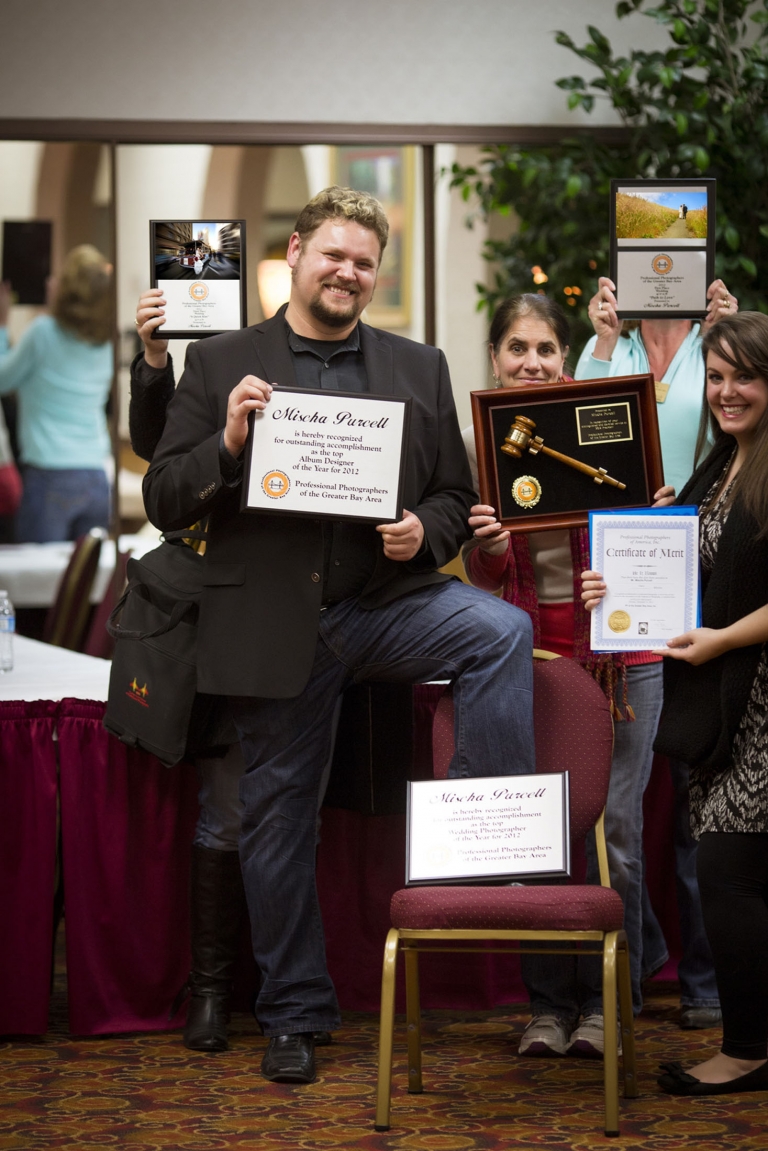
x=674 y=215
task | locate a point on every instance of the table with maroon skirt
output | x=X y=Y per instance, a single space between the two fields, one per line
x=115 y=827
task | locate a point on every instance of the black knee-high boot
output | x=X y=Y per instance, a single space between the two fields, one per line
x=217 y=910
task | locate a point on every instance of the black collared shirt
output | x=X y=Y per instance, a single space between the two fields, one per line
x=349 y=549
x=332 y=365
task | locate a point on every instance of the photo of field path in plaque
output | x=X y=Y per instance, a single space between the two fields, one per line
x=676 y=215
x=197 y=251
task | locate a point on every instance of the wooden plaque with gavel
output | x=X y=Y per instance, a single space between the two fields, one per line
x=548 y=454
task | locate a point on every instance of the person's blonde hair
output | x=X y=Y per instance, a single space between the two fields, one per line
x=343 y=204
x=83 y=304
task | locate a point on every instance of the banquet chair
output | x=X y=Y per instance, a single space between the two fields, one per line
x=67 y=617
x=573 y=732
x=98 y=641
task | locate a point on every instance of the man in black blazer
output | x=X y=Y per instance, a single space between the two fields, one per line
x=296 y=608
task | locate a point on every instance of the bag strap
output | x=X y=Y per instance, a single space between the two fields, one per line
x=185 y=534
x=180 y=609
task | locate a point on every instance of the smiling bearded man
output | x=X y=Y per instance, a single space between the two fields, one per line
x=297 y=607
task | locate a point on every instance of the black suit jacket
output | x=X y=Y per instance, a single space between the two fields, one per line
x=261 y=600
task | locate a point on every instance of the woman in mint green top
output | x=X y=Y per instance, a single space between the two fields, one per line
x=61 y=371
x=671 y=350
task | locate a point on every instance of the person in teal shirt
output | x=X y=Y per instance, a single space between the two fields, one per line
x=61 y=372
x=670 y=350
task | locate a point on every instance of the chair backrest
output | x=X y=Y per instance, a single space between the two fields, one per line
x=67 y=616
x=98 y=641
x=573 y=732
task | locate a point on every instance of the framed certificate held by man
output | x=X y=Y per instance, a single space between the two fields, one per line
x=200 y=267
x=548 y=454
x=323 y=453
x=662 y=247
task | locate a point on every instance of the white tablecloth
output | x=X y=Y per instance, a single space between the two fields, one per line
x=41 y=671
x=30 y=573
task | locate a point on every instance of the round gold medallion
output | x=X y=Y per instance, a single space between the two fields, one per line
x=662 y=264
x=619 y=621
x=526 y=491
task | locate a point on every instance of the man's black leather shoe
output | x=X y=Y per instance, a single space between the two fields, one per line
x=290 y=1058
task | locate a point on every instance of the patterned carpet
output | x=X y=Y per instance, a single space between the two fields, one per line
x=148 y=1093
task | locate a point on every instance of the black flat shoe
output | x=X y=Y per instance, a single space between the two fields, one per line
x=290 y=1058
x=322 y=1038
x=677 y=1081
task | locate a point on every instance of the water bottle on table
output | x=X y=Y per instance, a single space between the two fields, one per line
x=7 y=628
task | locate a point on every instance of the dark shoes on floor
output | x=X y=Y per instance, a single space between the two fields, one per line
x=677 y=1081
x=698 y=1018
x=290 y=1058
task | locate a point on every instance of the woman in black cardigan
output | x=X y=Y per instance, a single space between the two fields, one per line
x=715 y=714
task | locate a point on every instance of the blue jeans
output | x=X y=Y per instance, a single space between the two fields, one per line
x=569 y=986
x=62 y=504
x=443 y=631
x=221 y=808
x=696 y=970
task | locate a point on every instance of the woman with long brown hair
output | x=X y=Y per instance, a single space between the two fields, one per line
x=715 y=715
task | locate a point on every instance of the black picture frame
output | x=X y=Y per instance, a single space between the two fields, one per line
x=221 y=264
x=675 y=270
x=566 y=496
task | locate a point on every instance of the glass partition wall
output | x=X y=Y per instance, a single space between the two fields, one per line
x=426 y=288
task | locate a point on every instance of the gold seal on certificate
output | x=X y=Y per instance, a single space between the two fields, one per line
x=323 y=453
x=619 y=621
x=526 y=491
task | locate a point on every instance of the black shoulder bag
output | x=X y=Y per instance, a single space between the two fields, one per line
x=153 y=701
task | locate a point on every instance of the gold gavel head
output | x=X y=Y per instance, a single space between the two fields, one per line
x=518 y=437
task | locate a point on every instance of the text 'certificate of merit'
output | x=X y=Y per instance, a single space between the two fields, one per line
x=472 y=830
x=649 y=561
x=338 y=454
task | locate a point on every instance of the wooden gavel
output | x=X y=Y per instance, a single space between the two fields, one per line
x=520 y=437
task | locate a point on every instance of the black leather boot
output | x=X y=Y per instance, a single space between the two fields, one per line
x=217 y=911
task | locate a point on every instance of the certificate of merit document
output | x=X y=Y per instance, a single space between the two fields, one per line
x=472 y=830
x=328 y=453
x=649 y=560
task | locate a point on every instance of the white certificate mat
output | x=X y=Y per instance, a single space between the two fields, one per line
x=201 y=306
x=337 y=454
x=650 y=564
x=661 y=280
x=473 y=830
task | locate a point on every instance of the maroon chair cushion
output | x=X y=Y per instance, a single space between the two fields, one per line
x=556 y=908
